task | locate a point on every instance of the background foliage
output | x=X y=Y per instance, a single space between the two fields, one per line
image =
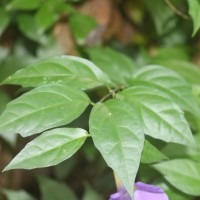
x=119 y=37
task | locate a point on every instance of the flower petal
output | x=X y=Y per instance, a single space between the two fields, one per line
x=148 y=188
x=149 y=192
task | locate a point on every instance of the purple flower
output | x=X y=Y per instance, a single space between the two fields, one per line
x=142 y=192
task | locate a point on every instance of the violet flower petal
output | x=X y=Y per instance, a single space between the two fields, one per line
x=148 y=187
x=143 y=192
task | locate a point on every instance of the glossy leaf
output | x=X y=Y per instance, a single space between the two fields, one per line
x=170 y=83
x=23 y=4
x=159 y=116
x=188 y=70
x=116 y=132
x=183 y=174
x=19 y=195
x=194 y=11
x=48 y=149
x=116 y=65
x=52 y=190
x=43 y=108
x=70 y=70
x=151 y=154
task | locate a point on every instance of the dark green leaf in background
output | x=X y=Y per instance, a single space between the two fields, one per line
x=91 y=194
x=151 y=154
x=194 y=11
x=17 y=195
x=183 y=174
x=182 y=151
x=116 y=65
x=116 y=132
x=50 y=148
x=159 y=116
x=29 y=27
x=5 y=19
x=23 y=4
x=43 y=108
x=45 y=17
x=161 y=15
x=52 y=190
x=74 y=71
x=170 y=83
x=14 y=62
x=81 y=26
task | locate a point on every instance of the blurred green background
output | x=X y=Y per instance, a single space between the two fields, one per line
x=146 y=31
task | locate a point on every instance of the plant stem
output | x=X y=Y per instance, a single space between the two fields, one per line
x=178 y=12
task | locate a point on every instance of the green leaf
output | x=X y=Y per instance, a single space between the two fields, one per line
x=174 y=193
x=52 y=190
x=43 y=108
x=13 y=63
x=91 y=194
x=23 y=4
x=17 y=195
x=170 y=83
x=188 y=70
x=45 y=17
x=181 y=151
x=183 y=174
x=151 y=154
x=162 y=16
x=5 y=19
x=69 y=70
x=194 y=11
x=4 y=100
x=116 y=132
x=48 y=149
x=28 y=26
x=81 y=26
x=116 y=65
x=159 y=116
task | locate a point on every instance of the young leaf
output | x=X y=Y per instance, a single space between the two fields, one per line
x=19 y=195
x=116 y=132
x=23 y=4
x=194 y=11
x=43 y=108
x=116 y=65
x=48 y=149
x=70 y=70
x=52 y=190
x=159 y=116
x=187 y=179
x=151 y=154
x=170 y=83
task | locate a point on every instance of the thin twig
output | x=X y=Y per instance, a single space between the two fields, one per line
x=112 y=93
x=178 y=12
